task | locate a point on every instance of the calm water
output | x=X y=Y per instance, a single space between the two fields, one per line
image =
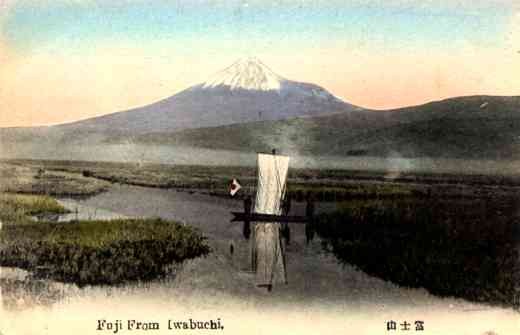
x=80 y=211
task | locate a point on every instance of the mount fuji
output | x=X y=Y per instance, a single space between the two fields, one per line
x=246 y=91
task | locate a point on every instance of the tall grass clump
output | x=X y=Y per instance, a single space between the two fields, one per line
x=100 y=252
x=16 y=208
x=465 y=249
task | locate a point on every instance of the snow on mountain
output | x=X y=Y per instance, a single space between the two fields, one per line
x=246 y=91
x=250 y=74
x=247 y=74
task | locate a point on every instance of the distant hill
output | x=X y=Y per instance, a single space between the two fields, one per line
x=480 y=127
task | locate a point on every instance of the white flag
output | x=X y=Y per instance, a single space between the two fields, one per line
x=234 y=187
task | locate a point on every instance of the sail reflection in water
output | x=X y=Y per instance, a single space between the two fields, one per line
x=267 y=250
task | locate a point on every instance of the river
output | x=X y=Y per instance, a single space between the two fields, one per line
x=322 y=295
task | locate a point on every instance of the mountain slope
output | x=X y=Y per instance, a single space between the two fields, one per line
x=483 y=127
x=244 y=92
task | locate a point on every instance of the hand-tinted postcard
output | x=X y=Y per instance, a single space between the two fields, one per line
x=259 y=167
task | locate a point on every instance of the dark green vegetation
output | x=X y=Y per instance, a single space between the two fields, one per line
x=91 y=252
x=30 y=204
x=16 y=208
x=478 y=127
x=467 y=249
x=100 y=252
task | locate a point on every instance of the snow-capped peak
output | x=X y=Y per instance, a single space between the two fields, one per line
x=248 y=74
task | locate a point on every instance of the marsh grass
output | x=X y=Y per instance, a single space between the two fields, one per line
x=17 y=208
x=91 y=252
x=453 y=248
x=101 y=252
x=324 y=184
x=35 y=179
x=32 y=204
x=325 y=192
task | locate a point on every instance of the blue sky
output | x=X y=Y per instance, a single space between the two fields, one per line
x=71 y=27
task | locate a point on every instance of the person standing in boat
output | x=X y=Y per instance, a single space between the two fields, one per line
x=247 y=224
x=309 y=213
x=286 y=230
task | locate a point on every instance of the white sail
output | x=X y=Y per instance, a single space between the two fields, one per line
x=267 y=250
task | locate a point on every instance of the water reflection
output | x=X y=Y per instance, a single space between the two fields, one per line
x=79 y=211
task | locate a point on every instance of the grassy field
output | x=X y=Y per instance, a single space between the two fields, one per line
x=36 y=179
x=17 y=208
x=468 y=249
x=100 y=252
x=329 y=185
x=91 y=252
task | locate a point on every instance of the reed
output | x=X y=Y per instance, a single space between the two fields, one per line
x=100 y=252
x=452 y=248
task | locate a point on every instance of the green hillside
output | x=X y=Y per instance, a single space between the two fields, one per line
x=484 y=127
